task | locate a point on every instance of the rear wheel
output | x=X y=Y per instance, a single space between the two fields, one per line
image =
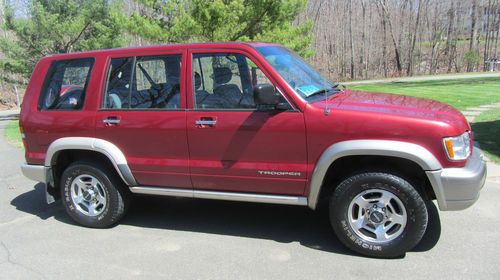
x=92 y=194
x=378 y=214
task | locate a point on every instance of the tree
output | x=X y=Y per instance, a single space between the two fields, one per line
x=386 y=14
x=223 y=20
x=59 y=26
x=411 y=52
x=472 y=56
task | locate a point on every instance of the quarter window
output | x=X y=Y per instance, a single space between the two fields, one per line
x=149 y=82
x=65 y=85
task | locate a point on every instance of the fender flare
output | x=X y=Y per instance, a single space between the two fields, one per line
x=112 y=152
x=398 y=149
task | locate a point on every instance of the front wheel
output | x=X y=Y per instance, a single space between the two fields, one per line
x=378 y=214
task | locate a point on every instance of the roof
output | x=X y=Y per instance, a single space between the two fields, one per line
x=164 y=47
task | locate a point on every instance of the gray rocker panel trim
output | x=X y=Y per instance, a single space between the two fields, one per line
x=217 y=195
x=114 y=154
x=409 y=151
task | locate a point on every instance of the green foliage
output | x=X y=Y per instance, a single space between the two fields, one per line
x=13 y=135
x=59 y=26
x=224 y=20
x=472 y=57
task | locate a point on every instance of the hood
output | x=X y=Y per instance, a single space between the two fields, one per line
x=393 y=104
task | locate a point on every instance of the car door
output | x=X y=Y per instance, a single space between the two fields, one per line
x=143 y=114
x=235 y=145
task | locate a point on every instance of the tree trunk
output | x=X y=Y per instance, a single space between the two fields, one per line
x=497 y=28
x=384 y=48
x=397 y=56
x=450 y=47
x=487 y=39
x=409 y=69
x=351 y=44
x=472 y=38
x=362 y=56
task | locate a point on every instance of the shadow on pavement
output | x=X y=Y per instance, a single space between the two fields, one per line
x=33 y=202
x=433 y=232
x=488 y=135
x=280 y=223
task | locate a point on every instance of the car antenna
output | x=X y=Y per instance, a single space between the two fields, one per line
x=327 y=107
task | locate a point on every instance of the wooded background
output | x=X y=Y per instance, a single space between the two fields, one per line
x=344 y=39
x=362 y=39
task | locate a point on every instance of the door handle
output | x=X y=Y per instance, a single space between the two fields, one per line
x=205 y=122
x=111 y=121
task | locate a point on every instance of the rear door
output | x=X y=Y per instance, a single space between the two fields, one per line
x=143 y=114
x=235 y=145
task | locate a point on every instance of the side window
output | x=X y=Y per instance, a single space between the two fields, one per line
x=154 y=69
x=119 y=83
x=149 y=82
x=225 y=81
x=65 y=85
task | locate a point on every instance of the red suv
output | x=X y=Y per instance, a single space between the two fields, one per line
x=245 y=122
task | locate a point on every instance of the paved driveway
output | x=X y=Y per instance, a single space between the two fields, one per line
x=184 y=239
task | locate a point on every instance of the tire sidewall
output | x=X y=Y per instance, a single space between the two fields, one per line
x=103 y=219
x=412 y=201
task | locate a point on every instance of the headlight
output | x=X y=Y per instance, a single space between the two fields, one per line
x=458 y=148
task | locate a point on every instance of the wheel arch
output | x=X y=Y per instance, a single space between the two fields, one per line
x=100 y=146
x=385 y=148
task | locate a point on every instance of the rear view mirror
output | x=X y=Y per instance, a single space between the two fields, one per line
x=266 y=94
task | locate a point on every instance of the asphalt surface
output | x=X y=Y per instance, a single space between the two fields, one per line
x=174 y=238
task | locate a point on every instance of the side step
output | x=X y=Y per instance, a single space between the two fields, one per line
x=233 y=196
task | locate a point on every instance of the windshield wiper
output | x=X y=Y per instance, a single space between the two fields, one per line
x=325 y=90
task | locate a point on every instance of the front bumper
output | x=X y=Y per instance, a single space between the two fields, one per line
x=458 y=188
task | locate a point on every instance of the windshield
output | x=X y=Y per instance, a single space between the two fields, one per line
x=296 y=72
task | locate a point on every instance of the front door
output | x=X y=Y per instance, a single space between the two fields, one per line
x=235 y=145
x=143 y=114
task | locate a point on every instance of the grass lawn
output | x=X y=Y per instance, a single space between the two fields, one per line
x=13 y=135
x=460 y=93
x=487 y=131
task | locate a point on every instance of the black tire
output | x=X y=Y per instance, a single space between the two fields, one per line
x=116 y=197
x=414 y=205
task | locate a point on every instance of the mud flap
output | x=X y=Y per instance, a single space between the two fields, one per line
x=49 y=196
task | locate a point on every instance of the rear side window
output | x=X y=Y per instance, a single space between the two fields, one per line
x=65 y=85
x=141 y=83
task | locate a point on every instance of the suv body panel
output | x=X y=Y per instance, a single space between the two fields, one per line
x=153 y=141
x=244 y=146
x=314 y=138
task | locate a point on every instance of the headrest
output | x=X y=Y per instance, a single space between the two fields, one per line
x=222 y=75
x=197 y=81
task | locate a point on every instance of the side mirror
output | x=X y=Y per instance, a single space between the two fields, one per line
x=266 y=94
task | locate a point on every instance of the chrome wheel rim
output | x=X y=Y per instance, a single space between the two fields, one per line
x=377 y=216
x=88 y=195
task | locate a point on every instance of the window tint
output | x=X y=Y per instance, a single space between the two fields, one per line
x=151 y=82
x=225 y=81
x=65 y=85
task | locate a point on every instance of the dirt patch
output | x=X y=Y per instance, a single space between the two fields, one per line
x=8 y=98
